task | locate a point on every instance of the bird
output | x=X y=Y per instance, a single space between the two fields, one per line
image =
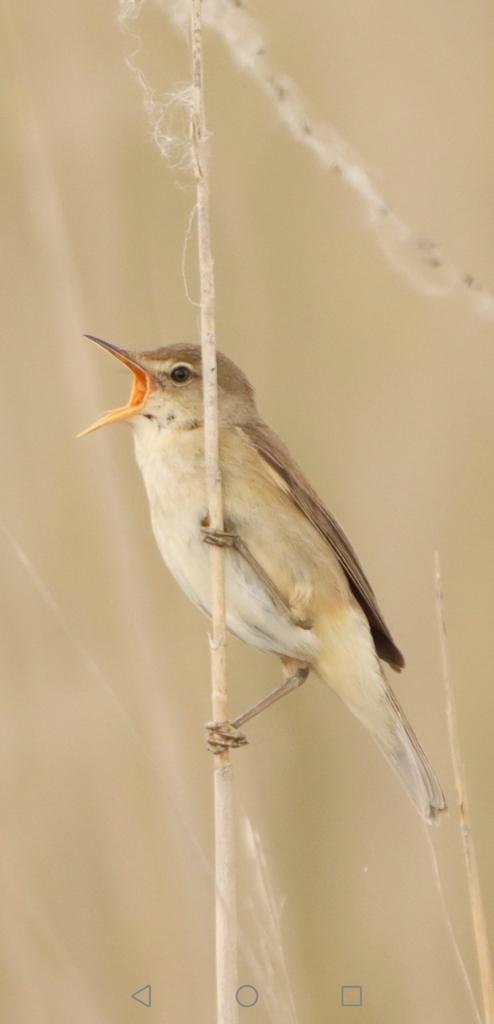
x=294 y=585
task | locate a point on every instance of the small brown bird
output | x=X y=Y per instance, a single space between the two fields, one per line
x=294 y=586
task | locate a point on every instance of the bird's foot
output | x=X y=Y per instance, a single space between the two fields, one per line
x=220 y=538
x=222 y=735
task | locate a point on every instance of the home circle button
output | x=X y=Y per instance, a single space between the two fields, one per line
x=247 y=995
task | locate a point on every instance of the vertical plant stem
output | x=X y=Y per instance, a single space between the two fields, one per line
x=478 y=915
x=226 y=927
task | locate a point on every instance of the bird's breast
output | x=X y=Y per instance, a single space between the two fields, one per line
x=173 y=473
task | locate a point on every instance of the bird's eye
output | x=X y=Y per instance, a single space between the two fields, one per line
x=180 y=374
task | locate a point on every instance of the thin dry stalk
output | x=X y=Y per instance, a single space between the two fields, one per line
x=419 y=258
x=226 y=935
x=478 y=915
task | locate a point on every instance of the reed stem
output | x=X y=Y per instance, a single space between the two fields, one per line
x=226 y=918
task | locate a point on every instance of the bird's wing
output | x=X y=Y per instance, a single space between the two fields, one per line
x=291 y=479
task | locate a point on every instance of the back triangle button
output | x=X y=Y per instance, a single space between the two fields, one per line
x=143 y=995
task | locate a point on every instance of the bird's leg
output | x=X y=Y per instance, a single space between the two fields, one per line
x=232 y=540
x=295 y=673
x=225 y=734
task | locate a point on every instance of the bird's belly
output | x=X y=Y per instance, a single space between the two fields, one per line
x=251 y=614
x=173 y=474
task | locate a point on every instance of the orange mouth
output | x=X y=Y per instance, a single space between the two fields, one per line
x=143 y=386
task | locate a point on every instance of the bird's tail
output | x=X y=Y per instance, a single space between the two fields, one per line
x=410 y=763
x=349 y=664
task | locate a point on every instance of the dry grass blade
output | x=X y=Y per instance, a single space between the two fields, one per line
x=478 y=915
x=266 y=914
x=420 y=259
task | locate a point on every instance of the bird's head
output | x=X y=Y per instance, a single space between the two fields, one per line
x=167 y=388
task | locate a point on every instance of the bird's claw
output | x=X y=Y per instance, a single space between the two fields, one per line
x=219 y=538
x=223 y=735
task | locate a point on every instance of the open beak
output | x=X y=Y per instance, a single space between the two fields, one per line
x=143 y=385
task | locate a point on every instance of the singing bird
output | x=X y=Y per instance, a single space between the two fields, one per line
x=294 y=585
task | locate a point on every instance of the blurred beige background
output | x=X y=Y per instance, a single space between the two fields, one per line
x=384 y=395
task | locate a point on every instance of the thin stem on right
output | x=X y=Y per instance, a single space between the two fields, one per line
x=478 y=915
